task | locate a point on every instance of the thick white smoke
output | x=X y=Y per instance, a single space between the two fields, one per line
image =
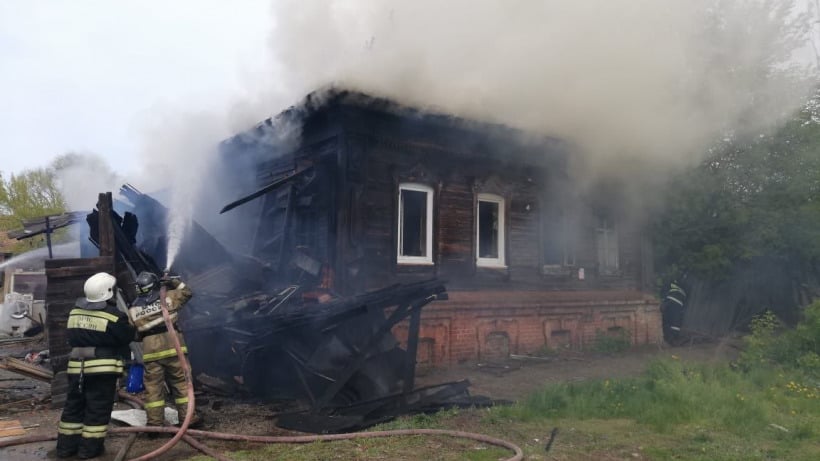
x=631 y=82
x=177 y=155
x=81 y=177
x=647 y=78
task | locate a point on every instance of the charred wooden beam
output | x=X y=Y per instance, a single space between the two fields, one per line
x=37 y=226
x=106 y=225
x=27 y=369
x=275 y=184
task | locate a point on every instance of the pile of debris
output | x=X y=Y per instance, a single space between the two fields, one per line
x=250 y=336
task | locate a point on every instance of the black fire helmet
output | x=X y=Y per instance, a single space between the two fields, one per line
x=146 y=282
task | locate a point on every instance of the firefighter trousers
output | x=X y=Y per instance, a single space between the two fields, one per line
x=672 y=315
x=157 y=374
x=86 y=414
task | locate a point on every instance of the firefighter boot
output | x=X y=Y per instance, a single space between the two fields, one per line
x=182 y=410
x=91 y=448
x=67 y=445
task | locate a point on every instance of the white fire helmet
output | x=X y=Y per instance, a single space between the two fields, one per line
x=99 y=287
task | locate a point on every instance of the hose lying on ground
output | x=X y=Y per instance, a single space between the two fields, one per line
x=294 y=438
x=183 y=433
x=137 y=403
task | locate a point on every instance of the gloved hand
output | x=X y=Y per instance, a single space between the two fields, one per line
x=170 y=282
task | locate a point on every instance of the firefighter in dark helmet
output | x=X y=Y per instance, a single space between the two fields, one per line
x=99 y=335
x=159 y=356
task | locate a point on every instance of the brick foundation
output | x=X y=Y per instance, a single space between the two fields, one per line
x=480 y=325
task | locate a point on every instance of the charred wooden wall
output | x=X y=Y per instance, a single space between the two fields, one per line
x=365 y=154
x=295 y=230
x=457 y=180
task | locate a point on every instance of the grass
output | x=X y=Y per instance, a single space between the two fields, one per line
x=704 y=411
x=764 y=407
x=673 y=411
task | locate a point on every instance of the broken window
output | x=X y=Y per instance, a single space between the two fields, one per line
x=415 y=233
x=490 y=231
x=607 y=245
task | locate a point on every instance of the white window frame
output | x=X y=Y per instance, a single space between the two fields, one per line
x=500 y=261
x=609 y=235
x=428 y=259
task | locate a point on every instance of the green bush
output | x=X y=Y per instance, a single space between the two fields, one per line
x=770 y=344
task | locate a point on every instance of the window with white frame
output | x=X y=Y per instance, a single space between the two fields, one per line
x=606 y=236
x=490 y=231
x=415 y=226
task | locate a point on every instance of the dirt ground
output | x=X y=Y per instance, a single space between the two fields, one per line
x=26 y=400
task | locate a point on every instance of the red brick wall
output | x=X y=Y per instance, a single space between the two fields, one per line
x=474 y=326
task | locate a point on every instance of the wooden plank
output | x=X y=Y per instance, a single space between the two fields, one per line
x=77 y=267
x=74 y=262
x=26 y=369
x=74 y=272
x=106 y=226
x=11 y=428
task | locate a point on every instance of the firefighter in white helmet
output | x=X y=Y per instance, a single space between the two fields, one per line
x=99 y=335
x=159 y=355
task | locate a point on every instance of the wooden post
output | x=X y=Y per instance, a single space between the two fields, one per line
x=106 y=227
x=412 y=350
x=48 y=238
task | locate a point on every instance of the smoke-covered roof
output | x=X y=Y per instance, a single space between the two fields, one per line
x=272 y=131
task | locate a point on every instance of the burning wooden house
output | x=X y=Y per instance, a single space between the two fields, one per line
x=352 y=227
x=371 y=193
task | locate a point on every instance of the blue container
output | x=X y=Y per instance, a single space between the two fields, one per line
x=135 y=373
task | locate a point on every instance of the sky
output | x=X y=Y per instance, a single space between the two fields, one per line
x=88 y=76
x=135 y=82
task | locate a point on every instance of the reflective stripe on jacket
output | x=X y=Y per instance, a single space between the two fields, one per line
x=95 y=366
x=161 y=347
x=104 y=332
x=146 y=314
x=676 y=294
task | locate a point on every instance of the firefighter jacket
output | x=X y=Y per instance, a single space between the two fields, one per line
x=99 y=335
x=676 y=294
x=146 y=314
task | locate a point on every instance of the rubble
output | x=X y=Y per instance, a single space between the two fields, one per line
x=253 y=333
x=26 y=369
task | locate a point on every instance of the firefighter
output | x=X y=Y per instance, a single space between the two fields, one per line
x=159 y=355
x=672 y=310
x=99 y=335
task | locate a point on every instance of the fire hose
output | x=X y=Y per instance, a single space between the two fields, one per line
x=183 y=433
x=186 y=368
x=519 y=455
x=137 y=403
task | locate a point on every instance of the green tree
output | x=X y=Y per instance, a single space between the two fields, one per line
x=754 y=203
x=749 y=199
x=27 y=195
